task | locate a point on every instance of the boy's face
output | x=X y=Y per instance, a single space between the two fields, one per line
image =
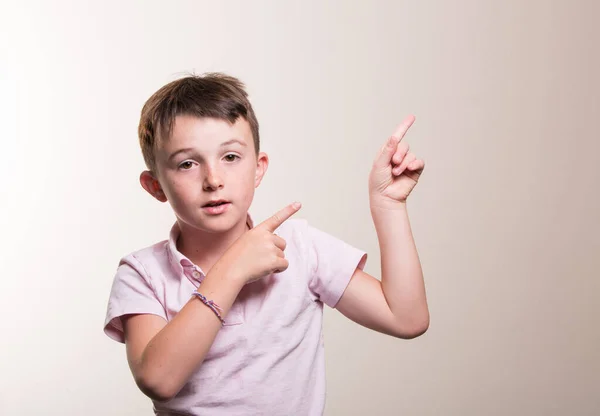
x=203 y=161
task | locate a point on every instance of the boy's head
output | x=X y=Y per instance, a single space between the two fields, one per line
x=212 y=95
x=199 y=137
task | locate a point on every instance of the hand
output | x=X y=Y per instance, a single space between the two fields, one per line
x=395 y=170
x=259 y=252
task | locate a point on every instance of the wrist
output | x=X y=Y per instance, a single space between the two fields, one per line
x=386 y=215
x=224 y=271
x=386 y=205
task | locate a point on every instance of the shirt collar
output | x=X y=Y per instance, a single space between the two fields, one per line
x=180 y=263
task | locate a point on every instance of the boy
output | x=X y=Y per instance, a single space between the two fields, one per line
x=225 y=317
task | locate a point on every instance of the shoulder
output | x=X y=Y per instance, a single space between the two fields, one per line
x=295 y=233
x=146 y=272
x=147 y=259
x=294 y=230
x=292 y=226
x=300 y=231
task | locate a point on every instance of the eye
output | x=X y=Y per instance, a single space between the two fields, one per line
x=186 y=165
x=231 y=157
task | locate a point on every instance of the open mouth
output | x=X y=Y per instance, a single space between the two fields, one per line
x=216 y=207
x=215 y=204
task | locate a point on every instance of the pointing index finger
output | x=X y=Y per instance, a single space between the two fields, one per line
x=403 y=127
x=280 y=217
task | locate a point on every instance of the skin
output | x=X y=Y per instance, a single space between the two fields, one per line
x=208 y=171
x=220 y=163
x=163 y=355
x=396 y=305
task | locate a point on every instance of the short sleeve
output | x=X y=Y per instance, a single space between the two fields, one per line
x=131 y=293
x=332 y=263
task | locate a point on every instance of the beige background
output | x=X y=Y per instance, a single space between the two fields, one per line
x=506 y=216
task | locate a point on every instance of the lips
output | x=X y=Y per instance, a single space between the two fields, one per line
x=216 y=207
x=215 y=203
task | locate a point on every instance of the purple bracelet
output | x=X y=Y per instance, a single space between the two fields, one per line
x=212 y=305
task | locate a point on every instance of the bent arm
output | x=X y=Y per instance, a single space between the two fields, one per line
x=396 y=305
x=162 y=356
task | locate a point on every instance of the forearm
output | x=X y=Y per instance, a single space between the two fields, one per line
x=402 y=276
x=180 y=347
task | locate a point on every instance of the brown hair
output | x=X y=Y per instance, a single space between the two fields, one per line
x=214 y=95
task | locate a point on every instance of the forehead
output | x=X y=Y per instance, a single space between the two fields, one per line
x=204 y=133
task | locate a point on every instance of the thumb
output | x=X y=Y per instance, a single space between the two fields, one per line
x=280 y=217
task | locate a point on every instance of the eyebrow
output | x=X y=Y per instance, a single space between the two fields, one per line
x=232 y=141
x=190 y=150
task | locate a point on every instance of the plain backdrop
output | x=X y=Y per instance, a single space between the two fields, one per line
x=506 y=216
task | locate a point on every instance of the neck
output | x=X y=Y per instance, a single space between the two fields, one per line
x=205 y=249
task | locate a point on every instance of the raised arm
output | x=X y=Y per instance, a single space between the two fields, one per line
x=397 y=305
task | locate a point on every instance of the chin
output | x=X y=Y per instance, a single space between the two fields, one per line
x=219 y=223
x=217 y=227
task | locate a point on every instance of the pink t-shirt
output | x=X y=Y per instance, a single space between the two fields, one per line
x=268 y=359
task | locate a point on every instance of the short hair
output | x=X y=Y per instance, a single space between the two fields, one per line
x=214 y=95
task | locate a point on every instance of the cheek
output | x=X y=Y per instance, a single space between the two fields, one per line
x=248 y=195
x=245 y=184
x=179 y=188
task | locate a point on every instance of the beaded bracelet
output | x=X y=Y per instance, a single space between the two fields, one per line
x=212 y=305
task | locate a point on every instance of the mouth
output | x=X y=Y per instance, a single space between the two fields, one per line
x=216 y=207
x=215 y=203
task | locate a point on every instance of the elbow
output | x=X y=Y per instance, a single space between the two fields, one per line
x=417 y=331
x=413 y=329
x=156 y=388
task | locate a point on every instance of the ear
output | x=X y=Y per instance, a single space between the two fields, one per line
x=152 y=186
x=262 y=163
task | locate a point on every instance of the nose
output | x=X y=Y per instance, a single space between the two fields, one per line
x=212 y=180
